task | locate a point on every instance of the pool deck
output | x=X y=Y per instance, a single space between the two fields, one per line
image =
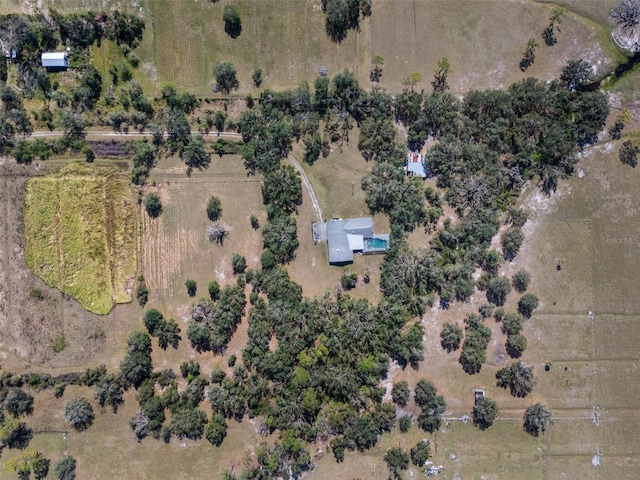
x=368 y=250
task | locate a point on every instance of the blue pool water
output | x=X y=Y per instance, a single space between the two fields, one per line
x=376 y=243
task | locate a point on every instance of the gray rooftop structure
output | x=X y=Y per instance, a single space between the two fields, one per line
x=55 y=61
x=344 y=237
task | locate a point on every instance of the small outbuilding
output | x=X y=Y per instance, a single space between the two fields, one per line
x=55 y=61
x=415 y=166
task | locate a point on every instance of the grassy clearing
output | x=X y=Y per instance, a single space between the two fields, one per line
x=483 y=40
x=596 y=10
x=287 y=40
x=192 y=34
x=52 y=445
x=81 y=233
x=176 y=247
x=336 y=183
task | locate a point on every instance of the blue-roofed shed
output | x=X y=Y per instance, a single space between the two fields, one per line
x=415 y=165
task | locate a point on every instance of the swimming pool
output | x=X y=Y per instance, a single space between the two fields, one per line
x=376 y=243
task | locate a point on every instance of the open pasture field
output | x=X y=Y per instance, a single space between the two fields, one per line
x=175 y=246
x=483 y=39
x=81 y=233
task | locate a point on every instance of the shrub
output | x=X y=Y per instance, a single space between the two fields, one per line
x=512 y=324
x=153 y=205
x=485 y=412
x=537 y=418
x=521 y=280
x=232 y=21
x=214 y=209
x=79 y=413
x=192 y=287
x=511 y=242
x=349 y=280
x=214 y=290
x=450 y=337
x=498 y=290
x=400 y=393
x=238 y=263
x=527 y=304
x=420 y=453
x=404 y=424
x=152 y=319
x=518 y=377
x=142 y=292
x=516 y=345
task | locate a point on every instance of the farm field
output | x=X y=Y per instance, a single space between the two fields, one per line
x=81 y=233
x=589 y=388
x=34 y=317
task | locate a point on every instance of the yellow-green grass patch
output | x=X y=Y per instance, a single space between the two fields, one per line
x=51 y=445
x=81 y=233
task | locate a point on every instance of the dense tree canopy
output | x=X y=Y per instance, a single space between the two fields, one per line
x=344 y=15
x=280 y=237
x=282 y=189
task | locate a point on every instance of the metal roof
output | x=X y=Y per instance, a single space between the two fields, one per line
x=345 y=236
x=54 y=59
x=417 y=168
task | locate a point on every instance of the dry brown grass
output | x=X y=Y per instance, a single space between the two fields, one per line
x=30 y=326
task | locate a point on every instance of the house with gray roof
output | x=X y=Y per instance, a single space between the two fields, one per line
x=349 y=236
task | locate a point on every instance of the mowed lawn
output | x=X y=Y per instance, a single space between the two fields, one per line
x=81 y=233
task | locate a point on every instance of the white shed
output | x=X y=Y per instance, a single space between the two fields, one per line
x=55 y=60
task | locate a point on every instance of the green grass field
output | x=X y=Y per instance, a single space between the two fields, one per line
x=81 y=233
x=183 y=40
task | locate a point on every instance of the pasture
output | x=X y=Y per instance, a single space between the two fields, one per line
x=287 y=40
